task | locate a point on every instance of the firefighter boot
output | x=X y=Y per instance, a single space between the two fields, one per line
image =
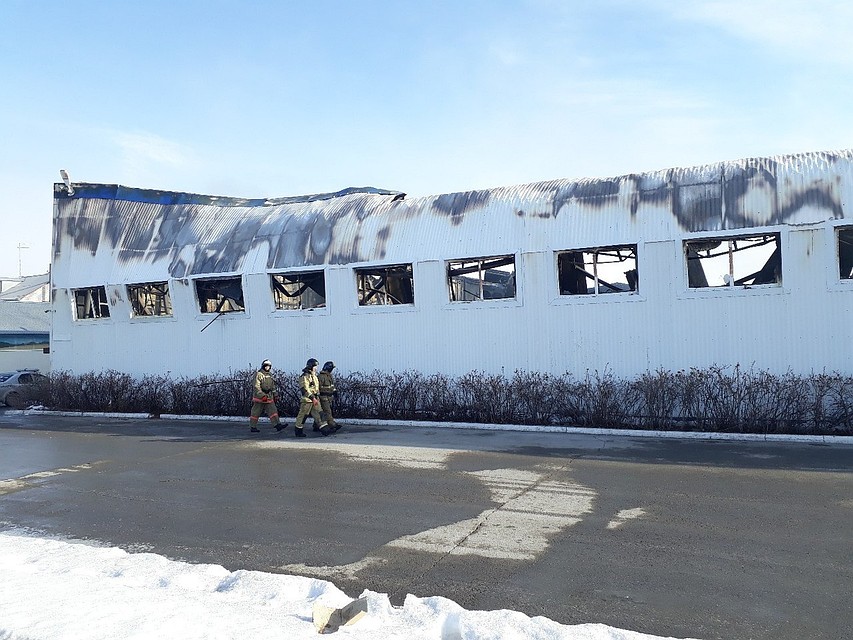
x=300 y=432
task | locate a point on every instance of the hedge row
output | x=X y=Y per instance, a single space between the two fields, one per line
x=723 y=399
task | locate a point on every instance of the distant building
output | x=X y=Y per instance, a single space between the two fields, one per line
x=24 y=335
x=26 y=288
x=746 y=262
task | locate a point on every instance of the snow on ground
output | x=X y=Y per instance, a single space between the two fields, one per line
x=53 y=589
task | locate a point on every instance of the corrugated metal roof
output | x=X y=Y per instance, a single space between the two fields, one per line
x=27 y=286
x=138 y=235
x=24 y=317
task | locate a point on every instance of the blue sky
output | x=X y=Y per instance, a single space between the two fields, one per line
x=268 y=98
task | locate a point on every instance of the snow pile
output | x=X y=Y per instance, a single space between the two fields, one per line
x=53 y=589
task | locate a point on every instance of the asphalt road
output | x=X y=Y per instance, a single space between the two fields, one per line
x=683 y=538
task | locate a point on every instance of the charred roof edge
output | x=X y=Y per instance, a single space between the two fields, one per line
x=155 y=196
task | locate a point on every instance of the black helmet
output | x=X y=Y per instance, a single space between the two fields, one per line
x=329 y=366
x=312 y=362
x=266 y=363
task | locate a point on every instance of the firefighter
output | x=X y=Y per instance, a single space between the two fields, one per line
x=327 y=394
x=309 y=389
x=263 y=398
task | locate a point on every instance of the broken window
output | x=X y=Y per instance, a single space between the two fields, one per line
x=220 y=295
x=727 y=262
x=598 y=271
x=91 y=302
x=385 y=285
x=294 y=291
x=481 y=278
x=845 y=252
x=150 y=299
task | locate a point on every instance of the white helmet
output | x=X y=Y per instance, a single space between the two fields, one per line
x=265 y=364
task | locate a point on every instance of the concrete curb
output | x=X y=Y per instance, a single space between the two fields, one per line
x=626 y=433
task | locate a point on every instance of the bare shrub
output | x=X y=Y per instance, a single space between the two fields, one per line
x=487 y=398
x=106 y=391
x=225 y=395
x=659 y=395
x=532 y=393
x=822 y=406
x=839 y=402
x=602 y=400
x=724 y=398
x=152 y=395
x=776 y=404
x=565 y=405
x=715 y=398
x=438 y=398
x=372 y=398
x=60 y=391
x=404 y=401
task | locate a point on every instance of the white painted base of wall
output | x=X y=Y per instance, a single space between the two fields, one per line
x=13 y=359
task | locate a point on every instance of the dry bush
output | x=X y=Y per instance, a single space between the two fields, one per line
x=533 y=395
x=106 y=391
x=732 y=399
x=839 y=403
x=152 y=395
x=660 y=397
x=363 y=395
x=602 y=400
x=438 y=399
x=490 y=398
x=223 y=395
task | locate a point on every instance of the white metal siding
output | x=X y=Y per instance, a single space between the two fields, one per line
x=801 y=326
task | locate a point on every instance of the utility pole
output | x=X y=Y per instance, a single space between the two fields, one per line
x=20 y=269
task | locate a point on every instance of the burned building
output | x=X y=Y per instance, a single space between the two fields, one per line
x=746 y=262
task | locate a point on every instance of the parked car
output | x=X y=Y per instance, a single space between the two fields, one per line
x=20 y=388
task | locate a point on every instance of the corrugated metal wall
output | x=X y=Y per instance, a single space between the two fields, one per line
x=114 y=236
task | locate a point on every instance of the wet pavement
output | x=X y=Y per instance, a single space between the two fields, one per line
x=685 y=538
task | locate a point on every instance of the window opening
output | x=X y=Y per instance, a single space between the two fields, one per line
x=727 y=262
x=481 y=278
x=598 y=271
x=293 y=291
x=385 y=285
x=220 y=295
x=845 y=253
x=150 y=299
x=91 y=303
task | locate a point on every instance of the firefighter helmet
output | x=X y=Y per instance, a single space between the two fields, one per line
x=265 y=364
x=312 y=362
x=329 y=366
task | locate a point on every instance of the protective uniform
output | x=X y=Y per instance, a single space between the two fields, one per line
x=263 y=398
x=309 y=389
x=327 y=394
